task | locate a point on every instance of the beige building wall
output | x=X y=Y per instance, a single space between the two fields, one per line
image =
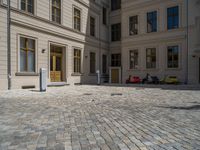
x=3 y=49
x=194 y=42
x=45 y=32
x=159 y=40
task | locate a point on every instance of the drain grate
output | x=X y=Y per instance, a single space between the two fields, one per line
x=87 y=94
x=116 y=94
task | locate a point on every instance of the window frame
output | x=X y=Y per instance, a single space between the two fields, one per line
x=156 y=59
x=26 y=10
x=104 y=68
x=19 y=50
x=134 y=25
x=179 y=17
x=94 y=63
x=116 y=62
x=167 y=52
x=93 y=32
x=80 y=61
x=73 y=18
x=61 y=13
x=118 y=37
x=129 y=58
x=157 y=22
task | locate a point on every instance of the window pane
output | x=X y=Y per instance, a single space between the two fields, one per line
x=23 y=4
x=31 y=61
x=22 y=43
x=23 y=60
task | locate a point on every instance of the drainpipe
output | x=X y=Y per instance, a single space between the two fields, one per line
x=187 y=19
x=8 y=46
x=100 y=47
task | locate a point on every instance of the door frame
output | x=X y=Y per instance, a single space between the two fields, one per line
x=64 y=60
x=110 y=75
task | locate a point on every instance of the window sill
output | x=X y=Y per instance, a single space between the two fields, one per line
x=26 y=74
x=92 y=74
x=77 y=74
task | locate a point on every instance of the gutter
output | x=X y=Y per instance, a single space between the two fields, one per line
x=187 y=41
x=8 y=46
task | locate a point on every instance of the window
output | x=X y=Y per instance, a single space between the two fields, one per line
x=104 y=64
x=133 y=54
x=77 y=19
x=28 y=6
x=116 y=60
x=152 y=21
x=151 y=58
x=27 y=55
x=133 y=25
x=173 y=58
x=104 y=16
x=115 y=4
x=92 y=26
x=56 y=11
x=77 y=61
x=173 y=17
x=116 y=32
x=92 y=63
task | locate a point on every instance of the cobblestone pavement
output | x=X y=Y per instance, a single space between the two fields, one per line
x=100 y=118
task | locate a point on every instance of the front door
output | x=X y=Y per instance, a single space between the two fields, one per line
x=114 y=75
x=56 y=64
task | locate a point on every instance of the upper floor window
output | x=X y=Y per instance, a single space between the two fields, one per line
x=27 y=55
x=133 y=54
x=152 y=21
x=28 y=6
x=115 y=4
x=77 y=19
x=151 y=58
x=172 y=17
x=104 y=16
x=173 y=58
x=77 y=61
x=92 y=26
x=116 y=60
x=56 y=11
x=133 y=25
x=116 y=32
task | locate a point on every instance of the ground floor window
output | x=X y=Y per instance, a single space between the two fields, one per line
x=104 y=64
x=133 y=59
x=27 y=55
x=116 y=60
x=77 y=61
x=92 y=63
x=151 y=58
x=172 y=56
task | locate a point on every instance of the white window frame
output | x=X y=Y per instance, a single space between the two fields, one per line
x=18 y=52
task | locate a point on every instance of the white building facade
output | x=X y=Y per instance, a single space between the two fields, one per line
x=73 y=39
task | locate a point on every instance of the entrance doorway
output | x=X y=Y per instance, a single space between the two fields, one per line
x=115 y=75
x=56 y=63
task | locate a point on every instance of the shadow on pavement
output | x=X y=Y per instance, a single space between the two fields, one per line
x=193 y=107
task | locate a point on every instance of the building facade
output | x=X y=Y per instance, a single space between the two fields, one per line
x=160 y=38
x=73 y=39
x=67 y=37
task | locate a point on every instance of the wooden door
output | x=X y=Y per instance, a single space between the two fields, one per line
x=114 y=75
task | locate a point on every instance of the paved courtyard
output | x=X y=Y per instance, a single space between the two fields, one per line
x=100 y=118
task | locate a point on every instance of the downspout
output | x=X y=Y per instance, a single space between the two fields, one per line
x=187 y=10
x=8 y=46
x=100 y=47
